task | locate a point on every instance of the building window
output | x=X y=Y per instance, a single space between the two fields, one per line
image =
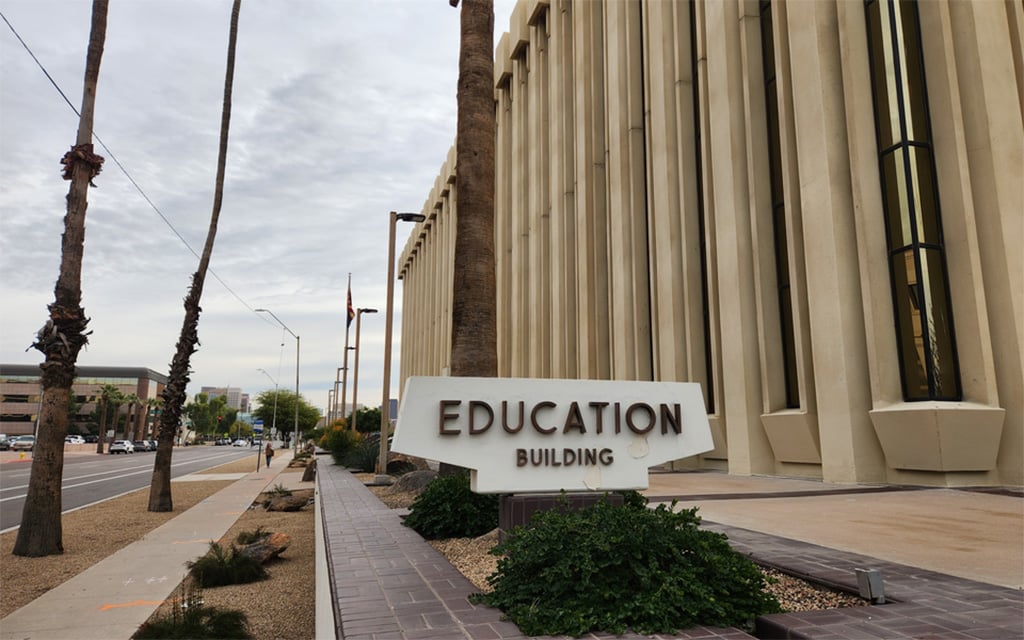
x=709 y=377
x=778 y=212
x=917 y=264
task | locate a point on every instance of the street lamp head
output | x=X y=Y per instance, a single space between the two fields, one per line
x=262 y=310
x=410 y=217
x=362 y=310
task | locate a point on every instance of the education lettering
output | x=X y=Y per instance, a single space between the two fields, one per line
x=548 y=418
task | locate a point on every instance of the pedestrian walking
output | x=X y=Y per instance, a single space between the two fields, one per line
x=270 y=453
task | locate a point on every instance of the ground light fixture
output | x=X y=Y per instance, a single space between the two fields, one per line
x=385 y=405
x=285 y=327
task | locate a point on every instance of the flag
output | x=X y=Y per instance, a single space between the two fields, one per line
x=351 y=310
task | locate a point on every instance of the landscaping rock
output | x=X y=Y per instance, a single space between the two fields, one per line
x=310 y=473
x=267 y=547
x=413 y=482
x=287 y=503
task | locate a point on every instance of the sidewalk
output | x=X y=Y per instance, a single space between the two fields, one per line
x=111 y=599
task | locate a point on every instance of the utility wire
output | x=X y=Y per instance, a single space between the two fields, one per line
x=110 y=154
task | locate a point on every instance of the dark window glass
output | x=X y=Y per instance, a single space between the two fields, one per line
x=923 y=312
x=709 y=387
x=778 y=210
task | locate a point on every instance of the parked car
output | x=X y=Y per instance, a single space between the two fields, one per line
x=23 y=443
x=122 y=446
x=140 y=445
x=240 y=443
x=74 y=440
x=92 y=439
x=6 y=443
x=151 y=444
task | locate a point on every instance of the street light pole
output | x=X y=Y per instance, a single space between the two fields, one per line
x=355 y=376
x=385 y=406
x=285 y=327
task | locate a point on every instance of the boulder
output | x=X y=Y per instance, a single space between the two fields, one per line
x=413 y=482
x=287 y=503
x=310 y=473
x=268 y=547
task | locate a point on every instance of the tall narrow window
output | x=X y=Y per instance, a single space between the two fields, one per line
x=917 y=261
x=778 y=212
x=709 y=378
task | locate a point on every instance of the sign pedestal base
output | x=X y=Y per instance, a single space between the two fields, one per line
x=515 y=510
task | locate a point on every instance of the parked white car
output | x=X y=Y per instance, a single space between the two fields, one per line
x=122 y=446
x=74 y=440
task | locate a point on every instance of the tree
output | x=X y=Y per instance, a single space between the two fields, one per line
x=188 y=341
x=153 y=407
x=64 y=334
x=367 y=420
x=107 y=392
x=129 y=401
x=285 y=422
x=116 y=399
x=210 y=415
x=474 y=327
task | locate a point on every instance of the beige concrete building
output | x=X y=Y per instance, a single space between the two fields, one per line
x=813 y=209
x=21 y=394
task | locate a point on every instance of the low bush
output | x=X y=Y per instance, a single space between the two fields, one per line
x=222 y=566
x=363 y=457
x=340 y=442
x=608 y=569
x=251 y=535
x=447 y=508
x=190 y=618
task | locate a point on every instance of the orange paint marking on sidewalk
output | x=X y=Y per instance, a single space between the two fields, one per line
x=200 y=540
x=133 y=603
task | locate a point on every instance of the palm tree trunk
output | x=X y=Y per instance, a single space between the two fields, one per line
x=474 y=331
x=102 y=436
x=64 y=334
x=174 y=393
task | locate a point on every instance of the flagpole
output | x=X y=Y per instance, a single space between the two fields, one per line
x=344 y=364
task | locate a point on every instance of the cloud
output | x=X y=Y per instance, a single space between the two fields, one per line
x=342 y=111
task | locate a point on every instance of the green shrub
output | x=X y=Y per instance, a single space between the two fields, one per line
x=447 y=508
x=608 y=569
x=340 y=442
x=279 y=491
x=221 y=567
x=190 y=618
x=252 y=535
x=363 y=457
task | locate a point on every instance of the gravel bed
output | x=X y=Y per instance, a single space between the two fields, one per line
x=472 y=557
x=281 y=607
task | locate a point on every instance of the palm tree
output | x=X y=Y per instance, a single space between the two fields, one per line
x=64 y=333
x=107 y=393
x=474 y=330
x=130 y=426
x=153 y=406
x=174 y=393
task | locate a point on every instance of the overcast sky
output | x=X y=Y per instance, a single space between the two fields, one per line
x=343 y=110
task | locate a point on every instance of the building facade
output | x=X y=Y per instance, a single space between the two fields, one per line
x=813 y=209
x=233 y=397
x=21 y=394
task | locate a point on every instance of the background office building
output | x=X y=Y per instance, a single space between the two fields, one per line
x=21 y=392
x=233 y=397
x=813 y=209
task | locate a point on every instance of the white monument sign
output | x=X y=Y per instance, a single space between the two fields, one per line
x=520 y=435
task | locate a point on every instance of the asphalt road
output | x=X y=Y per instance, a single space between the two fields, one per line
x=90 y=478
